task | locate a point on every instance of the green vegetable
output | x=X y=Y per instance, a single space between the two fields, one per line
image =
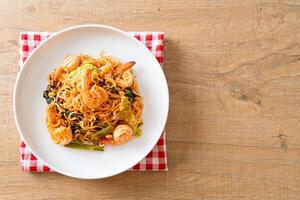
x=132 y=122
x=79 y=72
x=46 y=94
x=85 y=146
x=125 y=105
x=125 y=109
x=138 y=132
x=129 y=93
x=125 y=114
x=114 y=90
x=104 y=131
x=140 y=124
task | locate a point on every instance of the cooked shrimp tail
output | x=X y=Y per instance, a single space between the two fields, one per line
x=123 y=67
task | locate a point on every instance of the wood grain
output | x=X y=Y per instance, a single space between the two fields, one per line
x=233 y=69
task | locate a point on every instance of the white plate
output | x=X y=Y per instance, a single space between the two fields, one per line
x=29 y=105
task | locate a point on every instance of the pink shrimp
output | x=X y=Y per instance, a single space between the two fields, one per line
x=95 y=96
x=121 y=135
x=70 y=63
x=62 y=135
x=125 y=80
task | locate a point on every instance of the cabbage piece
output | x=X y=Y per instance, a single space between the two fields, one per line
x=106 y=68
x=79 y=71
x=133 y=123
x=125 y=109
x=125 y=114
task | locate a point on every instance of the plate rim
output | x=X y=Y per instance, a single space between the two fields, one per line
x=17 y=85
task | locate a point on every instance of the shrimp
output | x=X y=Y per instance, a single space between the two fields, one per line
x=58 y=72
x=95 y=96
x=59 y=134
x=121 y=135
x=135 y=87
x=51 y=115
x=62 y=135
x=125 y=80
x=52 y=119
x=70 y=63
x=137 y=108
x=122 y=68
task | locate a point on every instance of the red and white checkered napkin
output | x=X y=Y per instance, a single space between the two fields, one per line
x=155 y=160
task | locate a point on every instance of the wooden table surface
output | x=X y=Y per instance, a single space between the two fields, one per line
x=233 y=69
